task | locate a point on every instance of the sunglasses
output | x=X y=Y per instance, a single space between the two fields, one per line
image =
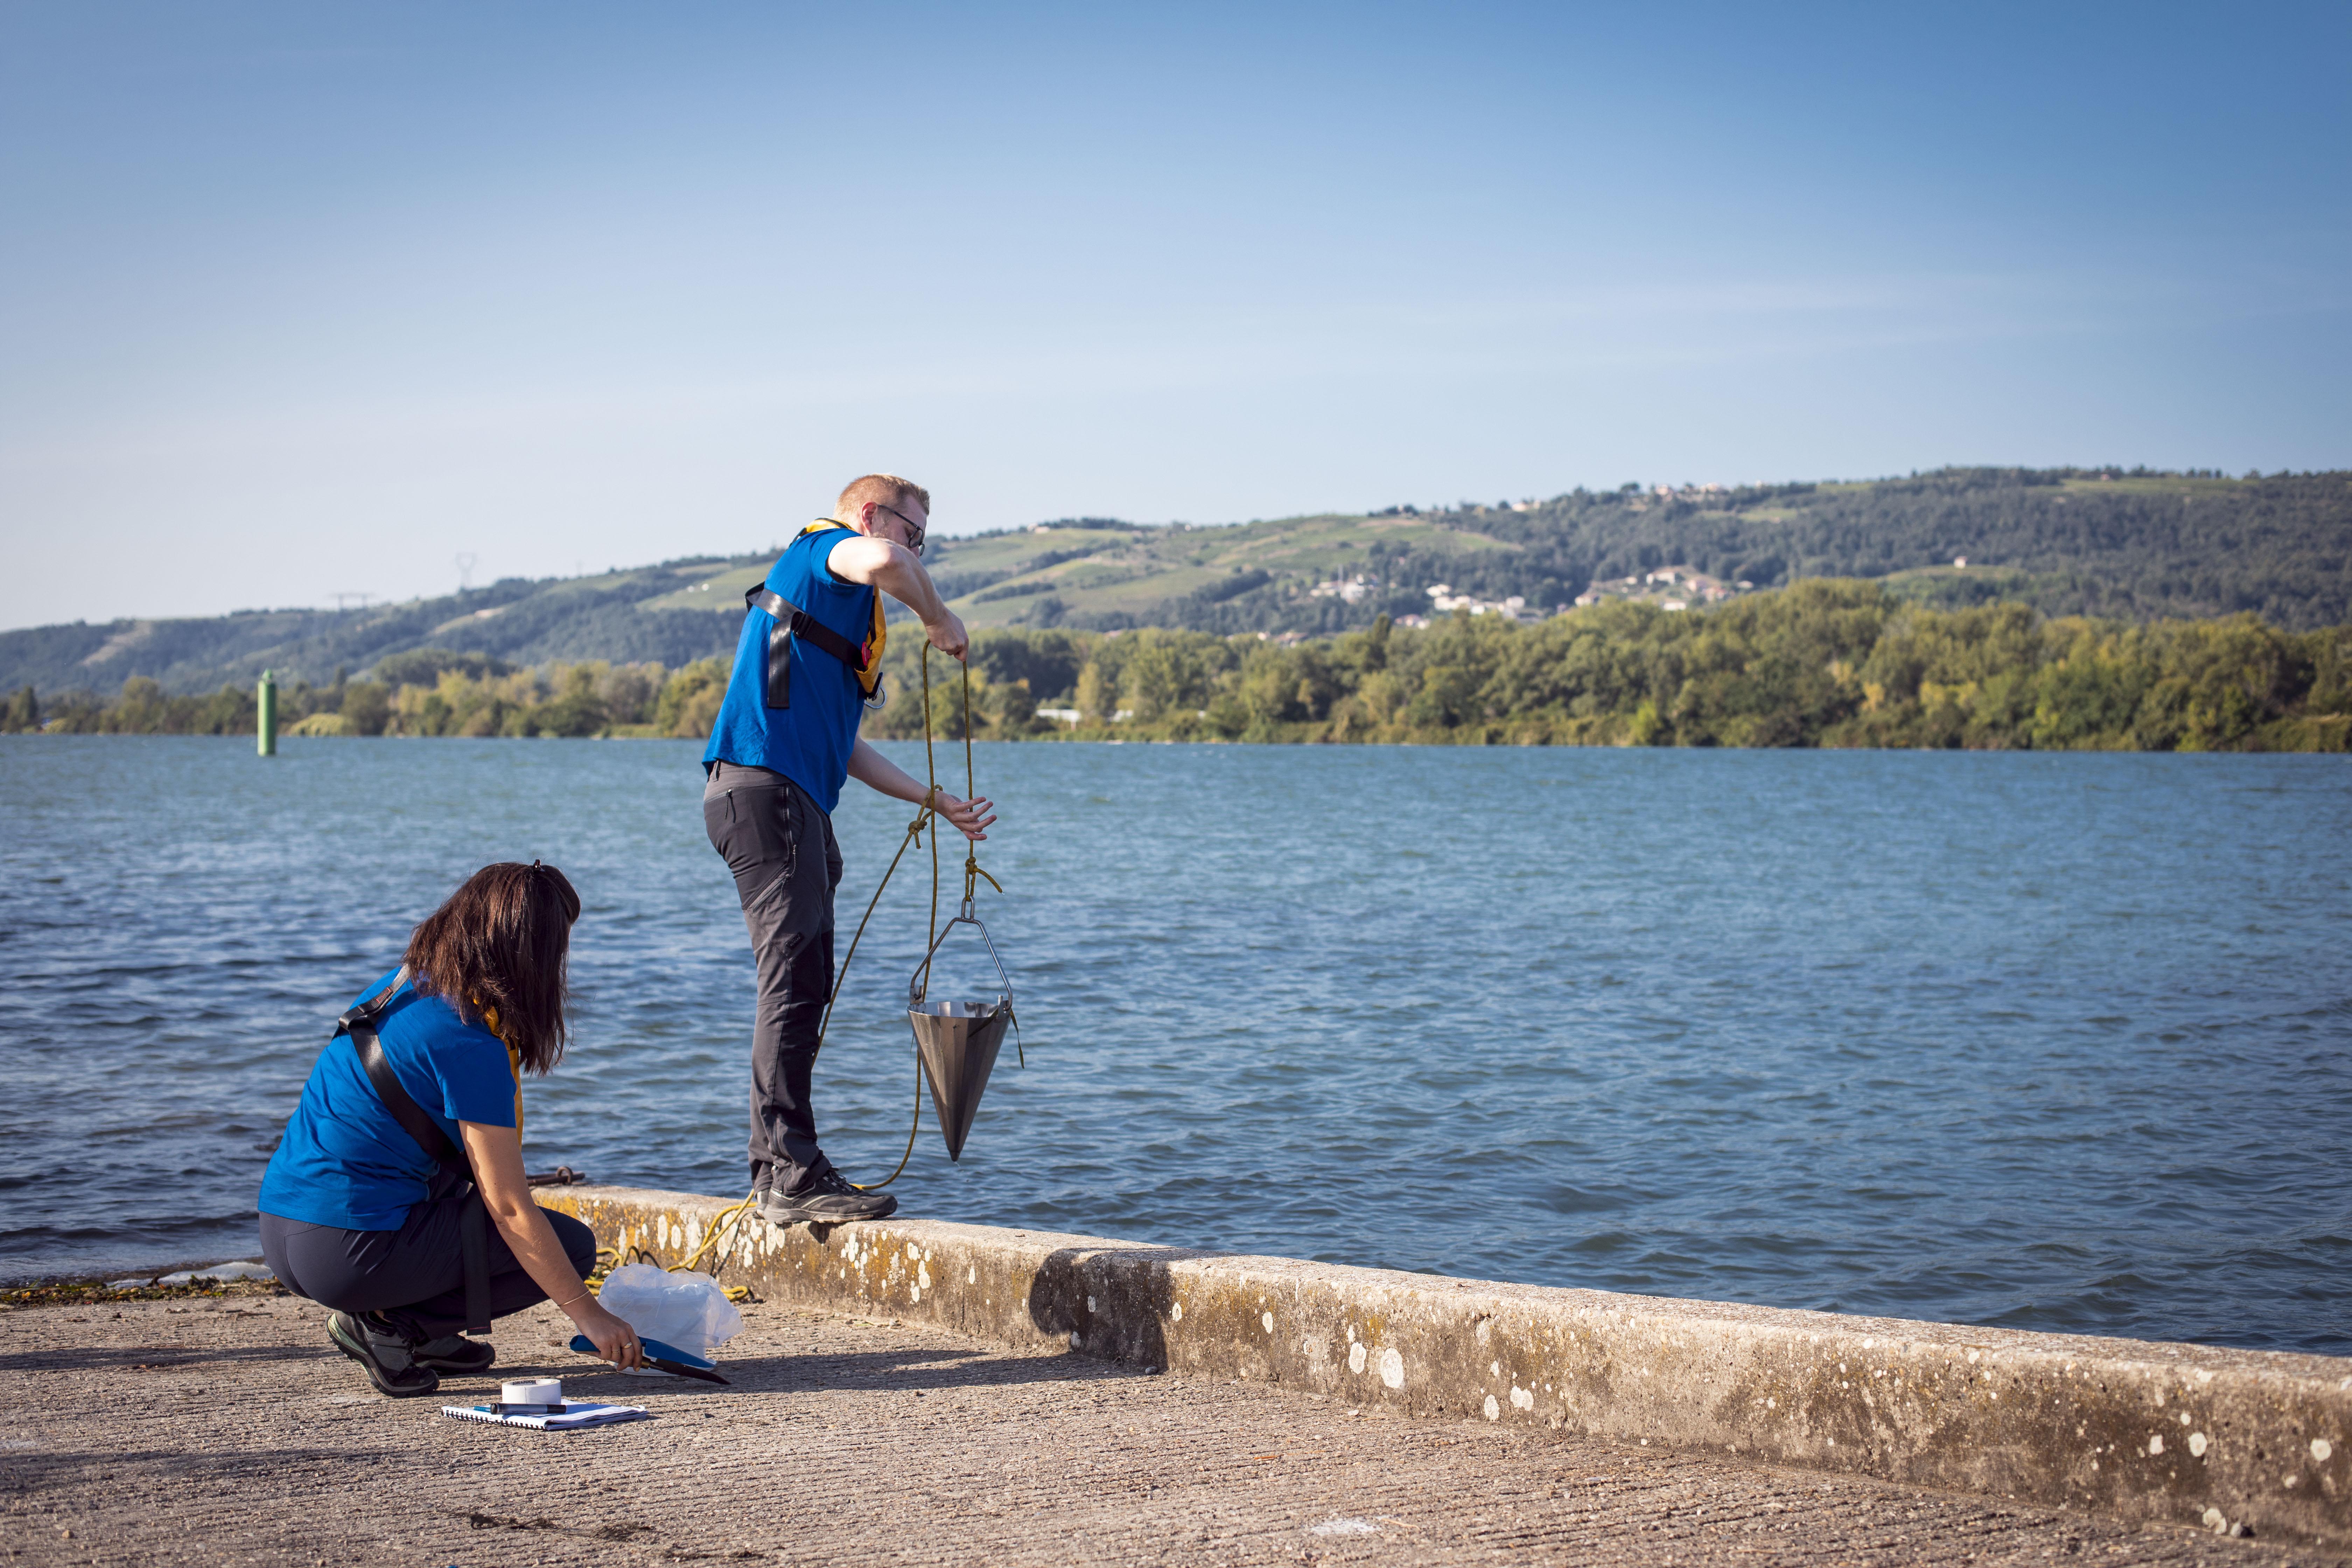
x=914 y=529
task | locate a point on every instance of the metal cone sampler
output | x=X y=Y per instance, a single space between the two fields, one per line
x=957 y=1042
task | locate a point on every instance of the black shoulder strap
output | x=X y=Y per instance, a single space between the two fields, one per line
x=804 y=625
x=360 y=1024
x=473 y=1226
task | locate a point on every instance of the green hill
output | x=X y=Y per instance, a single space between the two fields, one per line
x=515 y=620
x=2133 y=546
x=2136 y=546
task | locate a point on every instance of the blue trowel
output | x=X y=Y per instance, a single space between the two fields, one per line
x=661 y=1358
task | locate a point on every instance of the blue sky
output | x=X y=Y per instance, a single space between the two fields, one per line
x=300 y=300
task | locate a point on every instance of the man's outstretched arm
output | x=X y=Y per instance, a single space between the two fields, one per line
x=872 y=769
x=893 y=569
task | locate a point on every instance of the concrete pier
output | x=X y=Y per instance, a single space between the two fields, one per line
x=2227 y=1441
x=227 y=1431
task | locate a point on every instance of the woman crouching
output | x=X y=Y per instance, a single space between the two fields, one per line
x=366 y=1207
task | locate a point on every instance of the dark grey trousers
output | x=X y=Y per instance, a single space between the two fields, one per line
x=781 y=849
x=414 y=1276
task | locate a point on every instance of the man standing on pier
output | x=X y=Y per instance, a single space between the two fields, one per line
x=807 y=666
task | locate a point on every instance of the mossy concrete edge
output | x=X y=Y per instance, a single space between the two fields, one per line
x=2226 y=1439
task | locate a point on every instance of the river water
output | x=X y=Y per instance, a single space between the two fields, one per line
x=2052 y=1042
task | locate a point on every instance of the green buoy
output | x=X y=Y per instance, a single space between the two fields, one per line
x=265 y=717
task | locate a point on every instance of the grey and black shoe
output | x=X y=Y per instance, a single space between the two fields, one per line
x=389 y=1358
x=827 y=1200
x=454 y=1353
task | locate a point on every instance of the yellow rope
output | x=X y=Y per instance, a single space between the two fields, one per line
x=971 y=855
x=720 y=1227
x=931 y=935
x=611 y=1257
x=608 y=1258
x=971 y=868
x=932 y=781
x=914 y=831
x=923 y=814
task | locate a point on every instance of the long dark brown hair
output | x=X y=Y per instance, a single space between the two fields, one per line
x=500 y=944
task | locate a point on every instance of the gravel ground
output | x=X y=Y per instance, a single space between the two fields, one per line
x=228 y=1430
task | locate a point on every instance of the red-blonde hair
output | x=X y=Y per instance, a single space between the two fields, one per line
x=882 y=490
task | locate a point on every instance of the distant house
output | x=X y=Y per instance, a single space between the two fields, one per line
x=1354 y=590
x=1961 y=561
x=1674 y=605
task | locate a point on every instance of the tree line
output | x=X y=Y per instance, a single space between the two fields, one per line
x=1822 y=663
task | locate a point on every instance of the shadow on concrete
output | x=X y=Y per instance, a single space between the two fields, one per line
x=155 y=1358
x=907 y=1371
x=1111 y=1300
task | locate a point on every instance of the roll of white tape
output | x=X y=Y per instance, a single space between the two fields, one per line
x=531 y=1391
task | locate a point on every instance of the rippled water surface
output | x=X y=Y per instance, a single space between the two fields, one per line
x=2051 y=1042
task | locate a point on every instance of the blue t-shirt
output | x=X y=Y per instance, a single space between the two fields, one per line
x=345 y=1161
x=809 y=741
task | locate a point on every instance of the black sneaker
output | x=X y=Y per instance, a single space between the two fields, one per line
x=454 y=1353
x=389 y=1359
x=827 y=1200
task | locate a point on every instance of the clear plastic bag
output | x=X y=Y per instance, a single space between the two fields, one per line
x=688 y=1311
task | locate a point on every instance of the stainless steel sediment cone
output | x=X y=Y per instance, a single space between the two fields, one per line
x=957 y=1043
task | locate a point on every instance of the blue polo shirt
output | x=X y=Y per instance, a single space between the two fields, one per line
x=809 y=741
x=345 y=1161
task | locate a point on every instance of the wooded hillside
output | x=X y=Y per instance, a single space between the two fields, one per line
x=2128 y=546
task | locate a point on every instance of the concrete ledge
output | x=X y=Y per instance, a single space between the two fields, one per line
x=2176 y=1432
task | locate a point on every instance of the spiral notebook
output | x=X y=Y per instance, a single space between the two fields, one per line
x=577 y=1413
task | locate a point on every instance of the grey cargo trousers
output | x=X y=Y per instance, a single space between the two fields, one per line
x=781 y=850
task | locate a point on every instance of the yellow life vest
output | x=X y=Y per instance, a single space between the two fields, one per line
x=868 y=669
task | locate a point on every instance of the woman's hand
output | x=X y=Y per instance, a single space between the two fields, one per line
x=615 y=1339
x=496 y=1153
